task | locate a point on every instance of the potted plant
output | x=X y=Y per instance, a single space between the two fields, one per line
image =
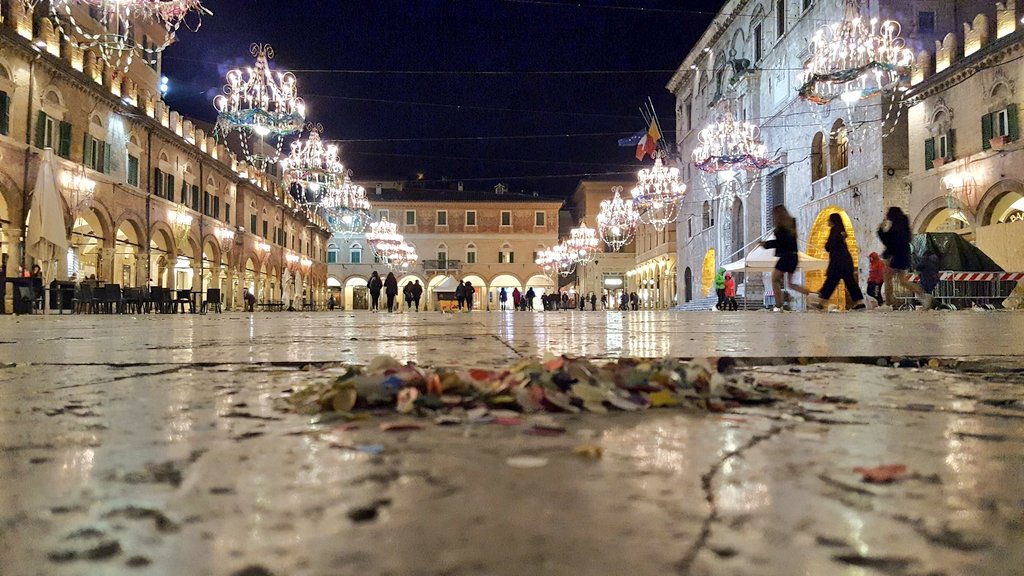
x=938 y=162
x=997 y=142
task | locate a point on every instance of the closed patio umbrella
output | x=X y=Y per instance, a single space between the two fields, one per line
x=47 y=239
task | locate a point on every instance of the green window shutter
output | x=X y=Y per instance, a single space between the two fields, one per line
x=511 y=257
x=41 y=129
x=158 y=182
x=951 y=145
x=5 y=113
x=106 y=157
x=929 y=153
x=986 y=131
x=216 y=207
x=227 y=213
x=87 y=155
x=133 y=170
x=1013 y=127
x=252 y=223
x=169 y=188
x=64 y=146
x=195 y=198
x=183 y=196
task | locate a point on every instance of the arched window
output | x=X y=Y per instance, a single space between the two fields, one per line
x=706 y=216
x=470 y=253
x=738 y=230
x=838 y=147
x=355 y=253
x=442 y=255
x=818 y=167
x=506 y=255
x=332 y=253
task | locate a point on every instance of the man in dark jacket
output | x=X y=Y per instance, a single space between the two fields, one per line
x=530 y=295
x=467 y=294
x=391 y=290
x=460 y=294
x=417 y=293
x=375 y=286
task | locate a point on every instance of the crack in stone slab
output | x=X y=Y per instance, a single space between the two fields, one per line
x=707 y=485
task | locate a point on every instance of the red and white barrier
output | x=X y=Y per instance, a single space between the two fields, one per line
x=976 y=276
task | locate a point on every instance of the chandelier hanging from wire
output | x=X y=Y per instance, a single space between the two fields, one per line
x=558 y=259
x=403 y=257
x=346 y=208
x=856 y=59
x=582 y=244
x=617 y=220
x=728 y=149
x=262 y=102
x=311 y=169
x=115 y=36
x=658 y=194
x=383 y=238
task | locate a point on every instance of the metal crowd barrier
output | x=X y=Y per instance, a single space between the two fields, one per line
x=960 y=290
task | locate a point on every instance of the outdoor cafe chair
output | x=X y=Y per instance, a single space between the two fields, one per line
x=212 y=299
x=182 y=299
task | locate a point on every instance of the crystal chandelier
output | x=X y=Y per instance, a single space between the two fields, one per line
x=402 y=257
x=383 y=238
x=311 y=169
x=617 y=220
x=261 y=102
x=115 y=37
x=658 y=194
x=726 y=149
x=80 y=190
x=855 y=59
x=558 y=259
x=582 y=244
x=346 y=208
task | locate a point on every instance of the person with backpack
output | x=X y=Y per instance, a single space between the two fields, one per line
x=460 y=294
x=720 y=289
x=391 y=290
x=502 y=297
x=530 y=295
x=729 y=302
x=467 y=295
x=375 y=286
x=894 y=232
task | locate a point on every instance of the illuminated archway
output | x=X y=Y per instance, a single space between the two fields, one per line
x=356 y=294
x=127 y=254
x=707 y=273
x=816 y=248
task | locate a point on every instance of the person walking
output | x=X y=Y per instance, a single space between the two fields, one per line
x=530 y=295
x=720 y=289
x=840 y=267
x=785 y=246
x=407 y=294
x=624 y=301
x=417 y=293
x=730 y=293
x=330 y=303
x=928 y=269
x=876 y=276
x=375 y=286
x=634 y=300
x=582 y=301
x=604 y=301
x=516 y=298
x=894 y=232
x=565 y=300
x=467 y=294
x=250 y=300
x=502 y=297
x=593 y=302
x=391 y=290
x=460 y=294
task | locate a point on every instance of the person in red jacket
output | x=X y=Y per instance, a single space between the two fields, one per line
x=876 y=277
x=730 y=292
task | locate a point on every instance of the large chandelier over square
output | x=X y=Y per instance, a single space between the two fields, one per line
x=855 y=59
x=558 y=259
x=115 y=36
x=259 y=101
x=346 y=208
x=658 y=194
x=582 y=244
x=311 y=169
x=726 y=150
x=383 y=238
x=617 y=221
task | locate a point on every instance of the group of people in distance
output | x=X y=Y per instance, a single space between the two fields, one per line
x=893 y=267
x=412 y=292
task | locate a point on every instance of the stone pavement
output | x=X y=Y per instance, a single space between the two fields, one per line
x=150 y=445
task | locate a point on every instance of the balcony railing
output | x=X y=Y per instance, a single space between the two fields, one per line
x=442 y=265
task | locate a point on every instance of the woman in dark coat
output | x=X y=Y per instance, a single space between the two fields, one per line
x=894 y=232
x=840 y=267
x=391 y=290
x=375 y=286
x=468 y=292
x=785 y=247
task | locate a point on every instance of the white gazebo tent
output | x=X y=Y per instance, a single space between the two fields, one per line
x=763 y=259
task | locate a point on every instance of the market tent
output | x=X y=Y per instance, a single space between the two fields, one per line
x=763 y=259
x=449 y=284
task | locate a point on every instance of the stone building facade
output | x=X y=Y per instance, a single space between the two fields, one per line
x=966 y=154
x=490 y=238
x=154 y=171
x=752 y=56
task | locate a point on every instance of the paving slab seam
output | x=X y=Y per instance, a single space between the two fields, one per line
x=707 y=481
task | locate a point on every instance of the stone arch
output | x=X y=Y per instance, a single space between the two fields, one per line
x=934 y=212
x=838 y=147
x=129 y=249
x=355 y=295
x=997 y=199
x=816 y=248
x=688 y=284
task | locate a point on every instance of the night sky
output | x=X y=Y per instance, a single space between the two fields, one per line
x=457 y=90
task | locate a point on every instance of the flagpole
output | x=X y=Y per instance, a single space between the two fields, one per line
x=654 y=115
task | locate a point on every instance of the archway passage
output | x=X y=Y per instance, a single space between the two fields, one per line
x=945 y=220
x=707 y=273
x=85 y=255
x=816 y=248
x=688 y=284
x=128 y=252
x=509 y=283
x=1003 y=202
x=161 y=250
x=356 y=295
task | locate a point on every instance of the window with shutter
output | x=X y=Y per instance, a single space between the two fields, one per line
x=1012 y=122
x=133 y=170
x=252 y=223
x=5 y=113
x=227 y=213
x=158 y=182
x=195 y=198
x=89 y=152
x=929 y=154
x=107 y=158
x=41 y=130
x=64 y=145
x=216 y=207
x=950 y=145
x=183 y=195
x=986 y=131
x=169 y=186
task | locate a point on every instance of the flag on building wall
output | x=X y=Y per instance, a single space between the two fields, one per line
x=649 y=143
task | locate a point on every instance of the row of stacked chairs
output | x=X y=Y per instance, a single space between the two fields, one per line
x=111 y=299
